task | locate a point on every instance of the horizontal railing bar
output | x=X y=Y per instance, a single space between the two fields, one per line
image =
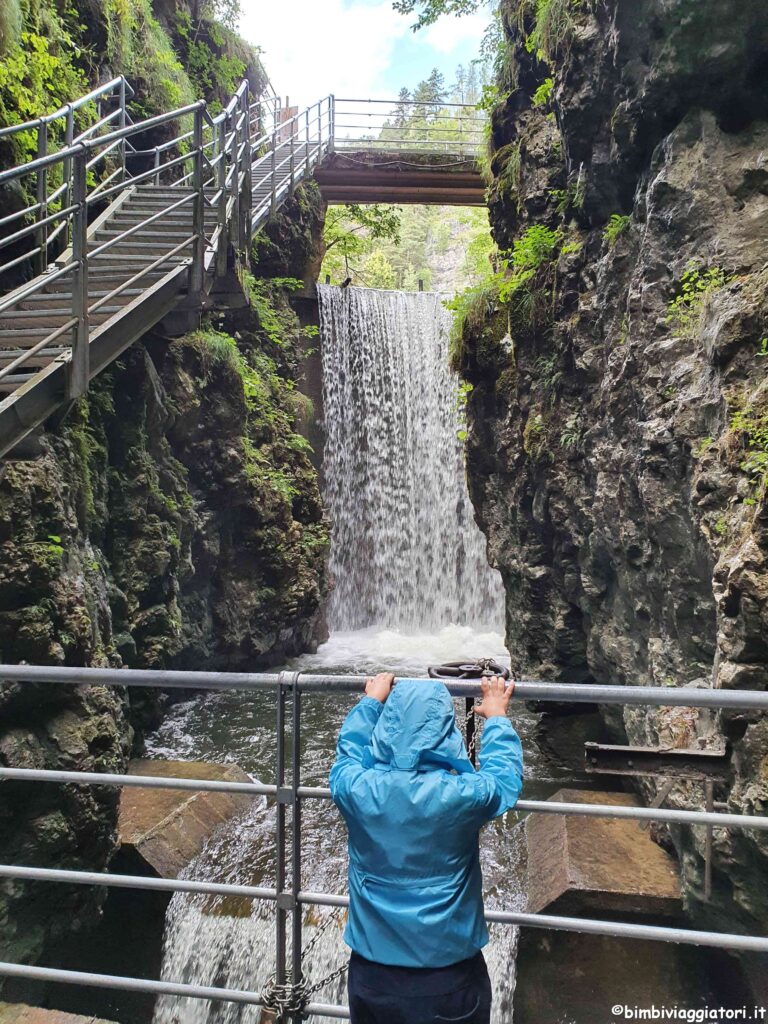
x=580 y=693
x=21 y=213
x=104 y=182
x=34 y=286
x=88 y=132
x=627 y=930
x=145 y=882
x=102 y=90
x=412 y=103
x=144 y=176
x=31 y=228
x=136 y=781
x=29 y=353
x=669 y=815
x=19 y=259
x=142 y=273
x=170 y=988
x=185 y=200
x=614 y=929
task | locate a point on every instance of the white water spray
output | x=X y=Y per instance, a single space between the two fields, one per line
x=406 y=552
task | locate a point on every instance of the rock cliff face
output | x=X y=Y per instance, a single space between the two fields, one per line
x=173 y=520
x=618 y=441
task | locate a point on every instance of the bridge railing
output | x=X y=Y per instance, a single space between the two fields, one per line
x=52 y=183
x=453 y=129
x=288 y=992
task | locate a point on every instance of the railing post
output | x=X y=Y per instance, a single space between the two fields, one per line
x=123 y=122
x=296 y=936
x=273 y=176
x=221 y=218
x=294 y=129
x=246 y=199
x=198 y=211
x=281 y=912
x=69 y=134
x=331 y=123
x=42 y=199
x=157 y=166
x=79 y=364
x=235 y=168
x=307 y=162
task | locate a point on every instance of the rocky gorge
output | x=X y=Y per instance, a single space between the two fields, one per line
x=618 y=412
x=173 y=517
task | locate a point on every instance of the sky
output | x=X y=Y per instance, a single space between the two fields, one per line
x=355 y=49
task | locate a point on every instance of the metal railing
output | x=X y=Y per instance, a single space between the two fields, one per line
x=452 y=129
x=205 y=172
x=290 y=899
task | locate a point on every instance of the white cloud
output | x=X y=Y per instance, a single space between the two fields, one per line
x=316 y=47
x=448 y=34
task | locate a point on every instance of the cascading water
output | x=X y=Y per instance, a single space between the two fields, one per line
x=412 y=586
x=406 y=551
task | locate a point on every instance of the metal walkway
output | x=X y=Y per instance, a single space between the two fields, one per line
x=113 y=237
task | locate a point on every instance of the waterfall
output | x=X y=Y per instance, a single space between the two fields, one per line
x=406 y=552
x=407 y=558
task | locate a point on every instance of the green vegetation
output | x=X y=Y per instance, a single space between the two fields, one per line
x=428 y=11
x=750 y=421
x=522 y=280
x=271 y=409
x=543 y=95
x=617 y=224
x=42 y=67
x=553 y=25
x=573 y=434
x=684 y=312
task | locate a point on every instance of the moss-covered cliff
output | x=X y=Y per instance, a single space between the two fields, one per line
x=618 y=440
x=174 y=519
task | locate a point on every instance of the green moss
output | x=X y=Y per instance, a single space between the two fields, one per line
x=685 y=311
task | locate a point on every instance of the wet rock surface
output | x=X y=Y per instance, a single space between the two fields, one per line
x=617 y=444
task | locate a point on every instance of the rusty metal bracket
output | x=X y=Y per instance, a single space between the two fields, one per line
x=697 y=765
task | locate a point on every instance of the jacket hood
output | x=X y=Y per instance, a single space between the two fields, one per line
x=417 y=730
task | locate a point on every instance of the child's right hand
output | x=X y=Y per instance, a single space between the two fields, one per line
x=496 y=697
x=380 y=686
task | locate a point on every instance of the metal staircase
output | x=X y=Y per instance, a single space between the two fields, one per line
x=119 y=236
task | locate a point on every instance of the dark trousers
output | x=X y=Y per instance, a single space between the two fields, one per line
x=379 y=994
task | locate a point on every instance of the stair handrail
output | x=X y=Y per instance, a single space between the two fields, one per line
x=222 y=161
x=120 y=83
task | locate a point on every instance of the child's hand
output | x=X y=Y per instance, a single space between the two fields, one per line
x=496 y=697
x=380 y=686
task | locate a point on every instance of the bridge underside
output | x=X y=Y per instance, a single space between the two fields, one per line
x=431 y=179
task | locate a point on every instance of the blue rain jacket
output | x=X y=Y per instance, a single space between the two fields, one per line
x=414 y=806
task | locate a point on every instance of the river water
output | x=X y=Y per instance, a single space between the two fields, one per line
x=412 y=588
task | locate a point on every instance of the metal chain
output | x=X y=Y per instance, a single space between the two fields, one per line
x=285 y=999
x=292 y=997
x=473 y=741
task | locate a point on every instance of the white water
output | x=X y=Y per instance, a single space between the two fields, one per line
x=406 y=551
x=412 y=588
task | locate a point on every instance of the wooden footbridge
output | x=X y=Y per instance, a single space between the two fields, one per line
x=110 y=239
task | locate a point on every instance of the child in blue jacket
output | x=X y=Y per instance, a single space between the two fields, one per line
x=414 y=806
